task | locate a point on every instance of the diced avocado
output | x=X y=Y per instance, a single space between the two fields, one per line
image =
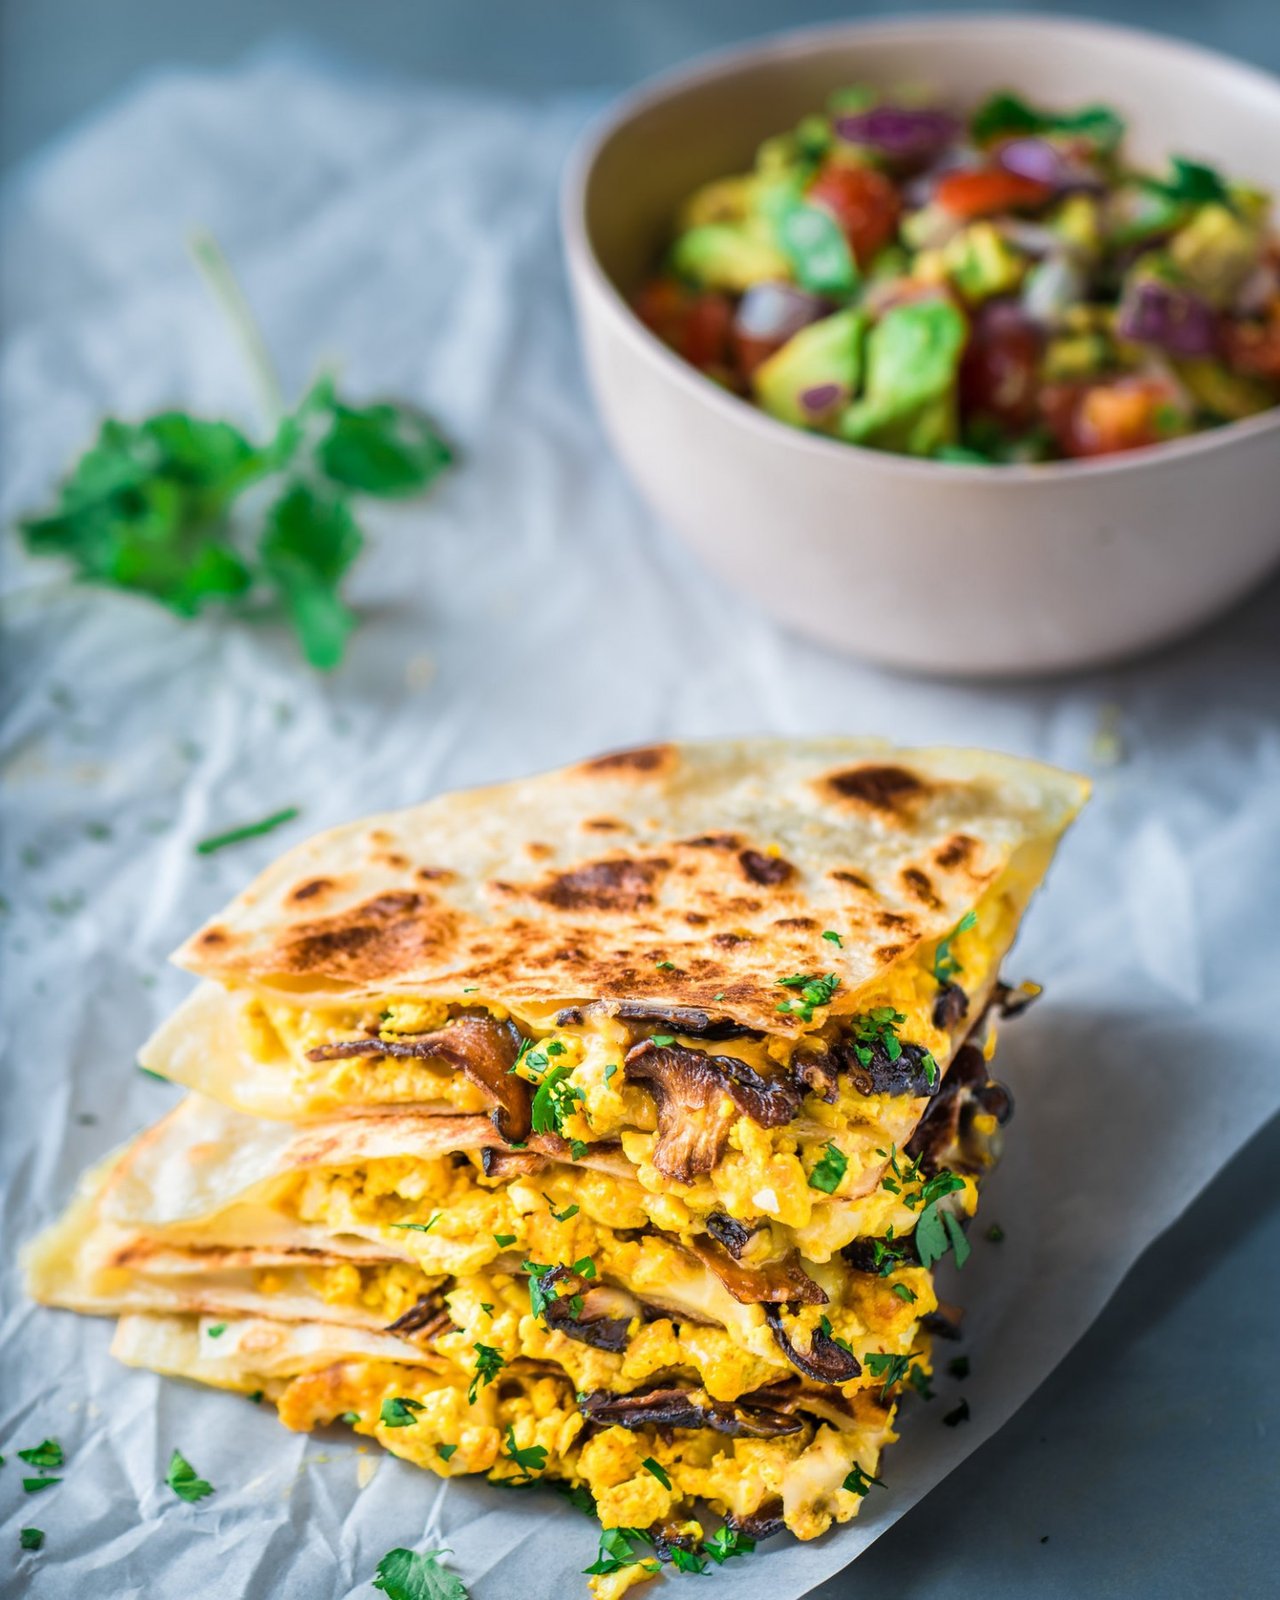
x=1215 y=252
x=814 y=243
x=912 y=359
x=1226 y=394
x=827 y=355
x=1081 y=355
x=725 y=255
x=1138 y=211
x=723 y=200
x=1078 y=223
x=981 y=262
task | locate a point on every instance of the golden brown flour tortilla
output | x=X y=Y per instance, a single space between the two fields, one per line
x=696 y=874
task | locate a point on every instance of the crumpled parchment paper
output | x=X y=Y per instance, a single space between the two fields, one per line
x=531 y=612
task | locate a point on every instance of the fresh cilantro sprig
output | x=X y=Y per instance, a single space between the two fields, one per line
x=183 y=1479
x=159 y=507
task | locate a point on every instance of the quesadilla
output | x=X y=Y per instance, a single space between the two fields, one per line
x=612 y=1118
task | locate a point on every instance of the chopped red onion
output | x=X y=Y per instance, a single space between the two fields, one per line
x=1174 y=319
x=822 y=398
x=1045 y=163
x=900 y=135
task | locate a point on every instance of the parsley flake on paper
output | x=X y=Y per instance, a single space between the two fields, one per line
x=860 y=1483
x=30 y=1538
x=408 y=1575
x=184 y=1481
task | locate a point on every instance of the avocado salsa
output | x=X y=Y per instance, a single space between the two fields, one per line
x=1001 y=288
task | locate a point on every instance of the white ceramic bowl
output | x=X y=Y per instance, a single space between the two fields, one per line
x=993 y=570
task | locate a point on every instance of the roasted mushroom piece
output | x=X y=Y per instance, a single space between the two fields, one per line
x=950 y=1007
x=424 y=1319
x=698 y=1097
x=946 y=1136
x=481 y=1047
x=590 y=1313
x=687 y=1408
x=825 y=1361
x=779 y=1281
x=690 y=1020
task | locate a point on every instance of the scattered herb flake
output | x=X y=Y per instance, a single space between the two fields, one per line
x=890 y=1369
x=904 y=1291
x=945 y=965
x=250 y=830
x=184 y=1481
x=666 y=966
x=834 y=937
x=256 y=1395
x=47 y=1456
x=657 y=1470
x=350 y=1418
x=502 y=1240
x=444 y=1451
x=217 y=1330
x=953 y=1419
x=419 y=1227
x=995 y=1233
x=663 y=1038
x=617 y=1550
x=532 y=1458
x=828 y=1172
x=958 y=1366
x=726 y=1542
x=399 y=1412
x=563 y=1216
x=408 y=1575
x=859 y=1482
x=30 y=1538
x=815 y=991
x=35 y=1485
x=489 y=1363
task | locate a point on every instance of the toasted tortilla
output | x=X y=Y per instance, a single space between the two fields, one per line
x=692 y=874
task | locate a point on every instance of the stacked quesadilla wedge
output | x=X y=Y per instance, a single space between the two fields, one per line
x=604 y=1128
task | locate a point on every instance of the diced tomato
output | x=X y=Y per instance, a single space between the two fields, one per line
x=1254 y=347
x=696 y=324
x=999 y=374
x=865 y=204
x=1099 y=419
x=969 y=195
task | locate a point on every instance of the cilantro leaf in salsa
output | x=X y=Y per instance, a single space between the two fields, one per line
x=1004 y=115
x=183 y=1479
x=410 y=1575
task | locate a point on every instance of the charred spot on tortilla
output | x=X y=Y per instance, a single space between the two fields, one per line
x=619 y=883
x=843 y=875
x=604 y=825
x=713 y=841
x=767 y=870
x=380 y=937
x=888 y=789
x=918 y=884
x=537 y=850
x=435 y=874
x=956 y=852
x=311 y=888
x=644 y=761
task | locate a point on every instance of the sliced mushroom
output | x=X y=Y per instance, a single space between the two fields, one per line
x=1013 y=999
x=590 y=1313
x=820 y=1074
x=881 y=1256
x=775 y=1281
x=510 y=1163
x=689 y=1020
x=687 y=1408
x=946 y=1135
x=825 y=1361
x=793 y=1397
x=950 y=1007
x=424 y=1319
x=906 y=1073
x=761 y=1524
x=698 y=1097
x=735 y=1236
x=481 y=1047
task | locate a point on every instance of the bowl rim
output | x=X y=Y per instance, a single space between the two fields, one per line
x=711 y=65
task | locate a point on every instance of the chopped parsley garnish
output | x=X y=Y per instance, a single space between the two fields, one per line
x=256 y=1395
x=502 y=1240
x=349 y=1417
x=859 y=1482
x=35 y=1485
x=995 y=1233
x=918 y=1378
x=898 y=1174
x=577 y=1149
x=525 y=1046
x=184 y=1481
x=663 y=1038
x=828 y=1172
x=217 y=1330
x=666 y=966
x=685 y=1560
x=726 y=1542
x=824 y=1322
x=814 y=990
x=891 y=1370
x=30 y=1538
x=953 y=1419
x=958 y=1366
x=657 y=1471
x=533 y=1458
x=945 y=965
x=408 y=1575
x=46 y=1456
x=444 y=1451
x=877 y=1028
x=578 y=1497
x=904 y=1291
x=563 y=1216
x=930 y=1065
x=555 y=1048
x=617 y=1550
x=419 y=1227
x=553 y=1101
x=398 y=1412
x=250 y=830
x=489 y=1363
x=610 y=1070
x=834 y=937
x=938 y=1231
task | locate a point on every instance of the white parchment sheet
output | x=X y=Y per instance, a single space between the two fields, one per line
x=530 y=613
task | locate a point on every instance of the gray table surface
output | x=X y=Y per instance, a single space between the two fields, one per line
x=1147 y=1464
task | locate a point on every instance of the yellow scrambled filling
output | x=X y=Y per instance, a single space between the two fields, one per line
x=526 y=1425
